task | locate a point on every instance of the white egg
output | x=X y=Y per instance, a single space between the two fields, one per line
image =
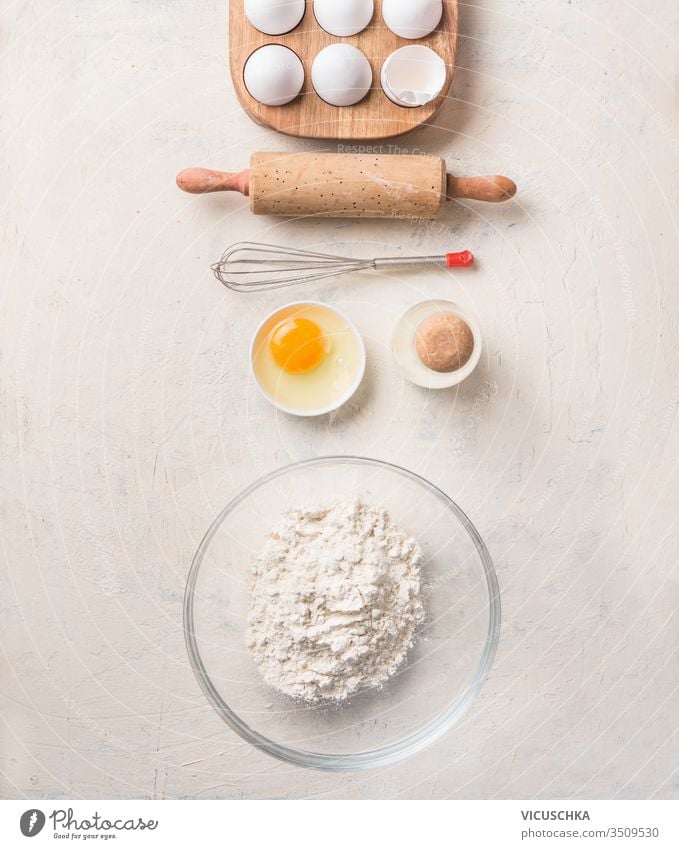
x=412 y=18
x=413 y=75
x=274 y=17
x=346 y=18
x=274 y=75
x=341 y=75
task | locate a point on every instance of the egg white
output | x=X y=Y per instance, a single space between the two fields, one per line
x=326 y=386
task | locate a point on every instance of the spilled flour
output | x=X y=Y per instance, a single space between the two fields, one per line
x=335 y=601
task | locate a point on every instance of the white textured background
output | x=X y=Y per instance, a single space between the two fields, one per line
x=128 y=418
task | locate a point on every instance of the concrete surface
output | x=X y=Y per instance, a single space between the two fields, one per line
x=129 y=419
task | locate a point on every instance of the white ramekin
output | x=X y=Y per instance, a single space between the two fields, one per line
x=320 y=411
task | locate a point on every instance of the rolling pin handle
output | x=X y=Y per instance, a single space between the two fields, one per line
x=493 y=189
x=200 y=181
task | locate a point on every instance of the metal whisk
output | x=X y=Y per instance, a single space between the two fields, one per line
x=254 y=267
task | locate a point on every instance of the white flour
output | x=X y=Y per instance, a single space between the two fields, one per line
x=336 y=599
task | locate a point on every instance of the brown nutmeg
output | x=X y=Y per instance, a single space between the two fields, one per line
x=444 y=343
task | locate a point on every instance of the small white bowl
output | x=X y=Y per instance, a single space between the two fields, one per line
x=339 y=402
x=405 y=354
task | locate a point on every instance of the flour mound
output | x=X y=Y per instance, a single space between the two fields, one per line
x=335 y=601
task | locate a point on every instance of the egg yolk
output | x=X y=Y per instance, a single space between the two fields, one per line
x=298 y=345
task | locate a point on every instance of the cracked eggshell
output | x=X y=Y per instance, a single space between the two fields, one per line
x=413 y=75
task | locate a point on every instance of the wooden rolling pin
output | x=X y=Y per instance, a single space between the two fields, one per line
x=339 y=185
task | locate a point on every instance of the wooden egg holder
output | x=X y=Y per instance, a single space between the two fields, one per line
x=308 y=116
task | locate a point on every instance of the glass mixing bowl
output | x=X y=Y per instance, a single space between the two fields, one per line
x=446 y=666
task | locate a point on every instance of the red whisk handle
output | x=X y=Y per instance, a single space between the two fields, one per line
x=462 y=259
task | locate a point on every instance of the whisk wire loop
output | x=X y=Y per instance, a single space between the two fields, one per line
x=261 y=267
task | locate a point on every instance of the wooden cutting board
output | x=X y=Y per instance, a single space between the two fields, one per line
x=375 y=117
